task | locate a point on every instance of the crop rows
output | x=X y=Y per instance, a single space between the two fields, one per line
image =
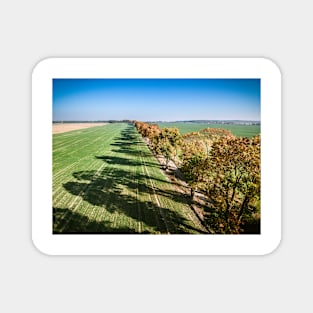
x=105 y=180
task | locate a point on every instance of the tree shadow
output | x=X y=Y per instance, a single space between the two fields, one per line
x=125 y=143
x=116 y=191
x=133 y=151
x=118 y=160
x=129 y=134
x=77 y=223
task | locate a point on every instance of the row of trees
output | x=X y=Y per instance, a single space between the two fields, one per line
x=215 y=162
x=165 y=141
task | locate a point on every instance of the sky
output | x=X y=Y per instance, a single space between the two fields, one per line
x=156 y=99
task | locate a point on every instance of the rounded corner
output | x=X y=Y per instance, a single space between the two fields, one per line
x=273 y=65
x=39 y=249
x=40 y=64
x=274 y=247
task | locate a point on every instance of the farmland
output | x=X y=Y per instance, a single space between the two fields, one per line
x=58 y=128
x=106 y=180
x=236 y=129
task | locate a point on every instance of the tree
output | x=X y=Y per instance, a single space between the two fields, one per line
x=195 y=156
x=152 y=131
x=174 y=139
x=164 y=142
x=234 y=182
x=207 y=136
x=194 y=163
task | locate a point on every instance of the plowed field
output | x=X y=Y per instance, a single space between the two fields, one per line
x=58 y=128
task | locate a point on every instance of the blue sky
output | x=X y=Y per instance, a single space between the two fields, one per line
x=156 y=99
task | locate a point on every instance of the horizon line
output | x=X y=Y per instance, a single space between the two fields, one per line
x=165 y=121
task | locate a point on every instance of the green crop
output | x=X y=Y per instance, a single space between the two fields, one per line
x=238 y=130
x=106 y=180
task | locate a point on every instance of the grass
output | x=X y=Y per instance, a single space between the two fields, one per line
x=105 y=180
x=237 y=130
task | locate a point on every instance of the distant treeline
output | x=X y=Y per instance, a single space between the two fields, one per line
x=102 y=121
x=238 y=122
x=230 y=122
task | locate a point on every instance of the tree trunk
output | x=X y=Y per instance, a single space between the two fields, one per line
x=192 y=193
x=245 y=200
x=166 y=163
x=227 y=216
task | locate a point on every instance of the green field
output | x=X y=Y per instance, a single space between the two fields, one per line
x=105 y=180
x=237 y=130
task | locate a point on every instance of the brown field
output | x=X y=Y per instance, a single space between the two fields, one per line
x=66 y=127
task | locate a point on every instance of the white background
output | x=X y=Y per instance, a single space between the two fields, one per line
x=262 y=68
x=33 y=30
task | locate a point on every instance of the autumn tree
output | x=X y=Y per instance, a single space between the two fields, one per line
x=174 y=138
x=166 y=143
x=195 y=156
x=140 y=126
x=207 y=136
x=194 y=163
x=153 y=131
x=234 y=182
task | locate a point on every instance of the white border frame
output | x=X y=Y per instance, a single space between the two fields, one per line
x=50 y=244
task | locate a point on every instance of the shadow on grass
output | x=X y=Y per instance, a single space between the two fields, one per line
x=65 y=221
x=118 y=160
x=117 y=191
x=126 y=193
